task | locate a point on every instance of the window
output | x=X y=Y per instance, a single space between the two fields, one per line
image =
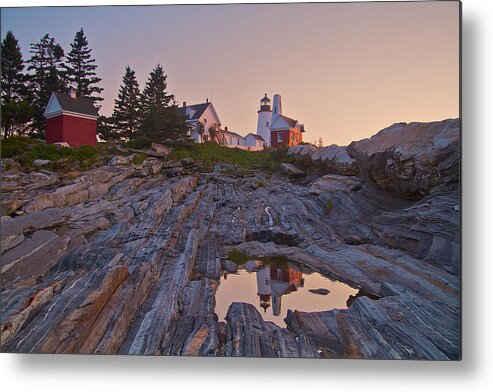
x=205 y=120
x=267 y=124
x=279 y=136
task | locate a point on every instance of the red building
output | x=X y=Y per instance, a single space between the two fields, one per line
x=285 y=132
x=71 y=119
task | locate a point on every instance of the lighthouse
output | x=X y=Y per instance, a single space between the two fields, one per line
x=264 y=119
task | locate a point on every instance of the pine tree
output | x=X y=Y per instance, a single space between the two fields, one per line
x=154 y=94
x=127 y=111
x=160 y=117
x=106 y=130
x=162 y=124
x=16 y=112
x=45 y=62
x=79 y=68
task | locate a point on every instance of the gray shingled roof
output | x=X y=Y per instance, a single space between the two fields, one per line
x=231 y=133
x=290 y=121
x=199 y=109
x=76 y=105
x=258 y=137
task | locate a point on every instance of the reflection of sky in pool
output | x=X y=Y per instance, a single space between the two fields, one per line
x=274 y=288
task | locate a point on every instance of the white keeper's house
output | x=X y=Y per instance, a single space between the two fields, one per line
x=204 y=113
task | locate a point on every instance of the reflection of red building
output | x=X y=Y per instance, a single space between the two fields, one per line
x=273 y=282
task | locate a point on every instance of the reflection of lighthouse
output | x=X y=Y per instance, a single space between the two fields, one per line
x=273 y=282
x=263 y=287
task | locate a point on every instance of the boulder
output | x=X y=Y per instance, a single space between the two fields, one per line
x=292 y=170
x=62 y=144
x=335 y=183
x=160 y=149
x=320 y=291
x=41 y=162
x=302 y=150
x=13 y=230
x=229 y=266
x=187 y=161
x=119 y=160
x=225 y=167
x=8 y=207
x=33 y=257
x=333 y=159
x=411 y=159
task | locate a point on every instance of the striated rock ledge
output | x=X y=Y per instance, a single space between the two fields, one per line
x=127 y=258
x=407 y=160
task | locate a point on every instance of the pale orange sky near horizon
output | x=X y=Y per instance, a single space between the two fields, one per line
x=345 y=70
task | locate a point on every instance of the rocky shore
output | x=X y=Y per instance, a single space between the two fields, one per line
x=126 y=257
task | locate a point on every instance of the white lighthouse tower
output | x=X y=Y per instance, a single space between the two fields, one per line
x=264 y=120
x=277 y=107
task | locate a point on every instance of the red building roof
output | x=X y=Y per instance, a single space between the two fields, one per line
x=60 y=103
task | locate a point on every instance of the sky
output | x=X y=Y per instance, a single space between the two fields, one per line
x=344 y=70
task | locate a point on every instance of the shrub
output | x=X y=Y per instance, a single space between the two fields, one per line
x=139 y=159
x=14 y=145
x=138 y=144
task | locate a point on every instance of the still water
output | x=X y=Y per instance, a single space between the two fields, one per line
x=274 y=287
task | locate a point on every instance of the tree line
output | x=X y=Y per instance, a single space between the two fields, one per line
x=150 y=115
x=26 y=88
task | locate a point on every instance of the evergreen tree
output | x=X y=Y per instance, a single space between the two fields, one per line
x=16 y=112
x=154 y=94
x=127 y=110
x=106 y=130
x=45 y=63
x=162 y=124
x=161 y=120
x=79 y=68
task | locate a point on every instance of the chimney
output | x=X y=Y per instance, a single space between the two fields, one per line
x=207 y=100
x=277 y=107
x=225 y=128
x=184 y=104
x=72 y=92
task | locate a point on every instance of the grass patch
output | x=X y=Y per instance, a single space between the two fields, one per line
x=209 y=153
x=259 y=184
x=139 y=159
x=27 y=150
x=85 y=155
x=329 y=205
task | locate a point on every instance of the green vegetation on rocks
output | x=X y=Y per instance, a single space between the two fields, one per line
x=209 y=153
x=27 y=150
